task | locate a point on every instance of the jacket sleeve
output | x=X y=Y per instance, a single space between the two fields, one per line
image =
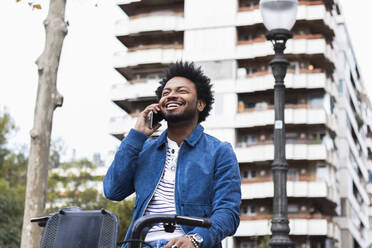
x=118 y=182
x=227 y=197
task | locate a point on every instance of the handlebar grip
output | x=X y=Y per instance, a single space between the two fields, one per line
x=40 y=219
x=194 y=221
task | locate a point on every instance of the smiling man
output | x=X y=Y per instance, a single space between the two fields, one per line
x=184 y=171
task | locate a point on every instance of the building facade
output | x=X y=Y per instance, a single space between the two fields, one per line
x=327 y=112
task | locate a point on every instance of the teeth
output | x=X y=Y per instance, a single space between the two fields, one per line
x=172 y=105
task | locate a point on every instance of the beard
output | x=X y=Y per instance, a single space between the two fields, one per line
x=188 y=114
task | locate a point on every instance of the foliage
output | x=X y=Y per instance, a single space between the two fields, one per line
x=262 y=242
x=11 y=217
x=12 y=187
x=74 y=184
x=359 y=121
x=69 y=184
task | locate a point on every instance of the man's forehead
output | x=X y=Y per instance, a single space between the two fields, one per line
x=176 y=82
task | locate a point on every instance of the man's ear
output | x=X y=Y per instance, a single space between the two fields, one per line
x=200 y=105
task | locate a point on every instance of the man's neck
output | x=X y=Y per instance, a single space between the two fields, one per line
x=181 y=130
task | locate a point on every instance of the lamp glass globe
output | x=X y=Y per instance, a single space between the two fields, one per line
x=278 y=14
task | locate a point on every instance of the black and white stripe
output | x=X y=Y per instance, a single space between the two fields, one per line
x=162 y=201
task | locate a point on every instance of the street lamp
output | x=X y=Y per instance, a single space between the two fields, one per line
x=279 y=16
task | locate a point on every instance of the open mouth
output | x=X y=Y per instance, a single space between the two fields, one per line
x=173 y=105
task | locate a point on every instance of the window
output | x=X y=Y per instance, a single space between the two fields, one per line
x=249 y=174
x=293 y=65
x=370 y=178
x=249 y=105
x=322 y=173
x=317 y=137
x=249 y=139
x=247 y=244
x=153 y=76
x=241 y=72
x=332 y=103
x=291 y=137
x=316 y=99
x=340 y=85
x=293 y=174
x=292 y=209
x=292 y=101
x=248 y=210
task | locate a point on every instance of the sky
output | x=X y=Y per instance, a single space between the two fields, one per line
x=86 y=73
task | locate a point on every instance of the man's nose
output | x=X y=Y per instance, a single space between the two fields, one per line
x=172 y=94
x=171 y=98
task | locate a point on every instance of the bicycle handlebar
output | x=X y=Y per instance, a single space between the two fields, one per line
x=41 y=221
x=146 y=221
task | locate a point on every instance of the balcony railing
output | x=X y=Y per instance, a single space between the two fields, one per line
x=124 y=92
x=307 y=44
x=298 y=226
x=307 y=216
x=301 y=189
x=295 y=37
x=121 y=125
x=256 y=6
x=311 y=10
x=162 y=55
x=155 y=46
x=302 y=78
x=167 y=21
x=265 y=152
x=265 y=106
x=288 y=141
x=269 y=179
x=265 y=117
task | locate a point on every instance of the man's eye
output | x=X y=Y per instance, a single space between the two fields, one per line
x=165 y=93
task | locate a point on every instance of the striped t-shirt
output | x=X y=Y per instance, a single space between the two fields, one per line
x=162 y=201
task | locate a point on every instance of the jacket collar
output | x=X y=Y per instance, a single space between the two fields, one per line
x=191 y=140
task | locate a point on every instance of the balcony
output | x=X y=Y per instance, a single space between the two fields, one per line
x=265 y=117
x=262 y=81
x=307 y=12
x=310 y=225
x=170 y=21
x=265 y=152
x=120 y=2
x=292 y=116
x=134 y=8
x=120 y=126
x=302 y=44
x=311 y=189
x=138 y=90
x=154 y=55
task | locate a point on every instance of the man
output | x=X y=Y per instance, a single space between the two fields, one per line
x=184 y=171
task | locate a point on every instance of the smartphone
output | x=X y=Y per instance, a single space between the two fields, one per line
x=155 y=118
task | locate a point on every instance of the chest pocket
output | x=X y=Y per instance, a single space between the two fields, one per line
x=197 y=210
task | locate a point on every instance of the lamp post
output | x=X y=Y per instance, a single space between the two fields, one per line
x=279 y=16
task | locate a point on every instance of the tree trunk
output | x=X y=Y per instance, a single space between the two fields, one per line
x=46 y=102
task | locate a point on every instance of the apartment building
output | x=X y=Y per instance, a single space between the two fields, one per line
x=327 y=115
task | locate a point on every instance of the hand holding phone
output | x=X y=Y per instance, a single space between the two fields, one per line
x=155 y=118
x=148 y=120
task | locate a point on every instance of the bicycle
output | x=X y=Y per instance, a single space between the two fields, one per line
x=76 y=228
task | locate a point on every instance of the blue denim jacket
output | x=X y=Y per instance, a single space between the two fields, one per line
x=207 y=180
